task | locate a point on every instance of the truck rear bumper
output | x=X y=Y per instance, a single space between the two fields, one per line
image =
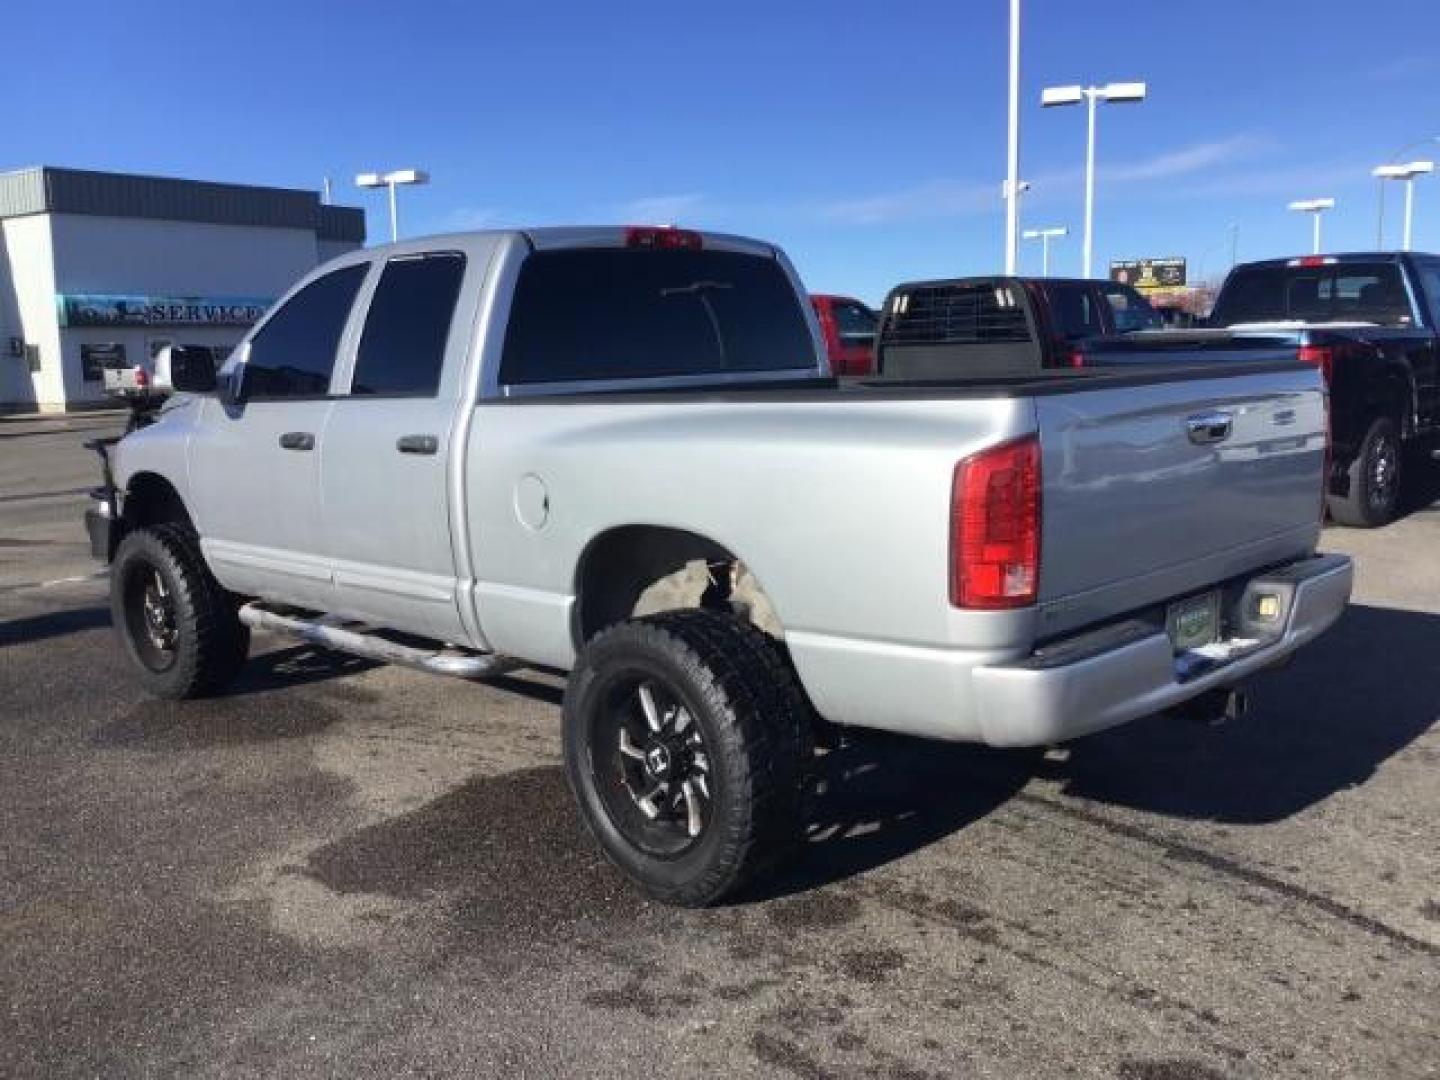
x=1108 y=676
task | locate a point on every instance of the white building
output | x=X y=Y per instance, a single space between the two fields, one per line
x=95 y=266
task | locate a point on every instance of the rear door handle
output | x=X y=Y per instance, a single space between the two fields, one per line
x=1209 y=427
x=417 y=444
x=297 y=440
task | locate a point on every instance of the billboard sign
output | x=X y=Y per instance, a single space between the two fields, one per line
x=1168 y=273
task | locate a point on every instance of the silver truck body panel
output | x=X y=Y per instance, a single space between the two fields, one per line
x=838 y=502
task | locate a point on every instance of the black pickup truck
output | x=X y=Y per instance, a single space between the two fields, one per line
x=1369 y=321
x=1021 y=326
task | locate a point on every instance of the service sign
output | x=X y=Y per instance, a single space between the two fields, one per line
x=108 y=309
x=1149 y=273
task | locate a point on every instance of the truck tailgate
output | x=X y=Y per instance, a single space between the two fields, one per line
x=1154 y=491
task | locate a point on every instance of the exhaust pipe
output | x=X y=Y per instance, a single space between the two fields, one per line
x=323 y=631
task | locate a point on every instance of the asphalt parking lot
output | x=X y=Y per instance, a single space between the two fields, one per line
x=344 y=869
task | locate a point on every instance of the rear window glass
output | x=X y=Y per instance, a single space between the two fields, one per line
x=1340 y=292
x=616 y=313
x=1129 y=310
x=855 y=323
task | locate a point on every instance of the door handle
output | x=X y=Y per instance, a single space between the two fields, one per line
x=1209 y=427
x=417 y=444
x=297 y=440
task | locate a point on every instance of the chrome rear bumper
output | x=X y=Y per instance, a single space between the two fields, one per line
x=1122 y=672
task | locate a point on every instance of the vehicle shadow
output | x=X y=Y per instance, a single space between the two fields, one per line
x=883 y=797
x=52 y=624
x=297 y=665
x=1349 y=701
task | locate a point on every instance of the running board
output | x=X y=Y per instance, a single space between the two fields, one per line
x=326 y=631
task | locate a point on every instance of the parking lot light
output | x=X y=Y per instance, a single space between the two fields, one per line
x=392 y=180
x=1115 y=92
x=1045 y=236
x=1313 y=207
x=1407 y=172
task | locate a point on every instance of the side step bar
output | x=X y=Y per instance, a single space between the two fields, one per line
x=325 y=631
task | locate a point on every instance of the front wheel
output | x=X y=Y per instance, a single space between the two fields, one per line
x=685 y=738
x=1374 y=475
x=178 y=626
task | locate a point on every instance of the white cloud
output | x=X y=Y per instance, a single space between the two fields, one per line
x=940 y=198
x=953 y=198
x=1188 y=159
x=464 y=218
x=661 y=209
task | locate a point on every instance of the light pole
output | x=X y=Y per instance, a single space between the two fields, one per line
x=1313 y=207
x=1407 y=172
x=392 y=180
x=1119 y=93
x=1045 y=236
x=1012 y=147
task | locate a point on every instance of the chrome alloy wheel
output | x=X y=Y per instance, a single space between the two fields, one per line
x=662 y=788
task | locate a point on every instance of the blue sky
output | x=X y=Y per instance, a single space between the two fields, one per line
x=867 y=138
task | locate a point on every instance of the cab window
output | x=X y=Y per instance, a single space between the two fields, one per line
x=402 y=348
x=293 y=354
x=1129 y=310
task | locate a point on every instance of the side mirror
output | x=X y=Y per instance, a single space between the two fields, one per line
x=185 y=369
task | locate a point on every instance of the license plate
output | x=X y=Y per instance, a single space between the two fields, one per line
x=1194 y=621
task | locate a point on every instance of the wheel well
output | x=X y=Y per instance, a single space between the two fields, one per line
x=643 y=569
x=150 y=499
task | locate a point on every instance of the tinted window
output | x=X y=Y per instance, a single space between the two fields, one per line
x=854 y=322
x=610 y=313
x=294 y=353
x=402 y=348
x=1075 y=311
x=1343 y=292
x=1129 y=310
x=1430 y=285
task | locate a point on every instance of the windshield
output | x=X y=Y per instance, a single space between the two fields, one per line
x=1338 y=292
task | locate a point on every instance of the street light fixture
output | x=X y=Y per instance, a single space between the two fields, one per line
x=1406 y=172
x=392 y=180
x=1314 y=207
x=1045 y=236
x=1117 y=93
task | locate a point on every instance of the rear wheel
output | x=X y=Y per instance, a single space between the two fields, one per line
x=178 y=626
x=686 y=738
x=1374 y=475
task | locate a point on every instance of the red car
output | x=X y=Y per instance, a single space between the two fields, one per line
x=849 y=327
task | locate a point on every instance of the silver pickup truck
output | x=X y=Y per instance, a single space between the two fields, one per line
x=618 y=452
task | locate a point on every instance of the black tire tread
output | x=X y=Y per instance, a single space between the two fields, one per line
x=771 y=722
x=1353 y=509
x=204 y=610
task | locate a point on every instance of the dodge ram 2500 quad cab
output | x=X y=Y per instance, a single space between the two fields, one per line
x=619 y=452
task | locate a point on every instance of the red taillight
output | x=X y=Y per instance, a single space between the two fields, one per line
x=1077 y=358
x=995 y=527
x=1322 y=356
x=662 y=238
x=142 y=378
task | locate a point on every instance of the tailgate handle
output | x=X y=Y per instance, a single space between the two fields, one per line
x=1208 y=427
x=297 y=440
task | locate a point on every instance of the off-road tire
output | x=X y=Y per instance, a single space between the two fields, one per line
x=210 y=641
x=757 y=727
x=1370 y=502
